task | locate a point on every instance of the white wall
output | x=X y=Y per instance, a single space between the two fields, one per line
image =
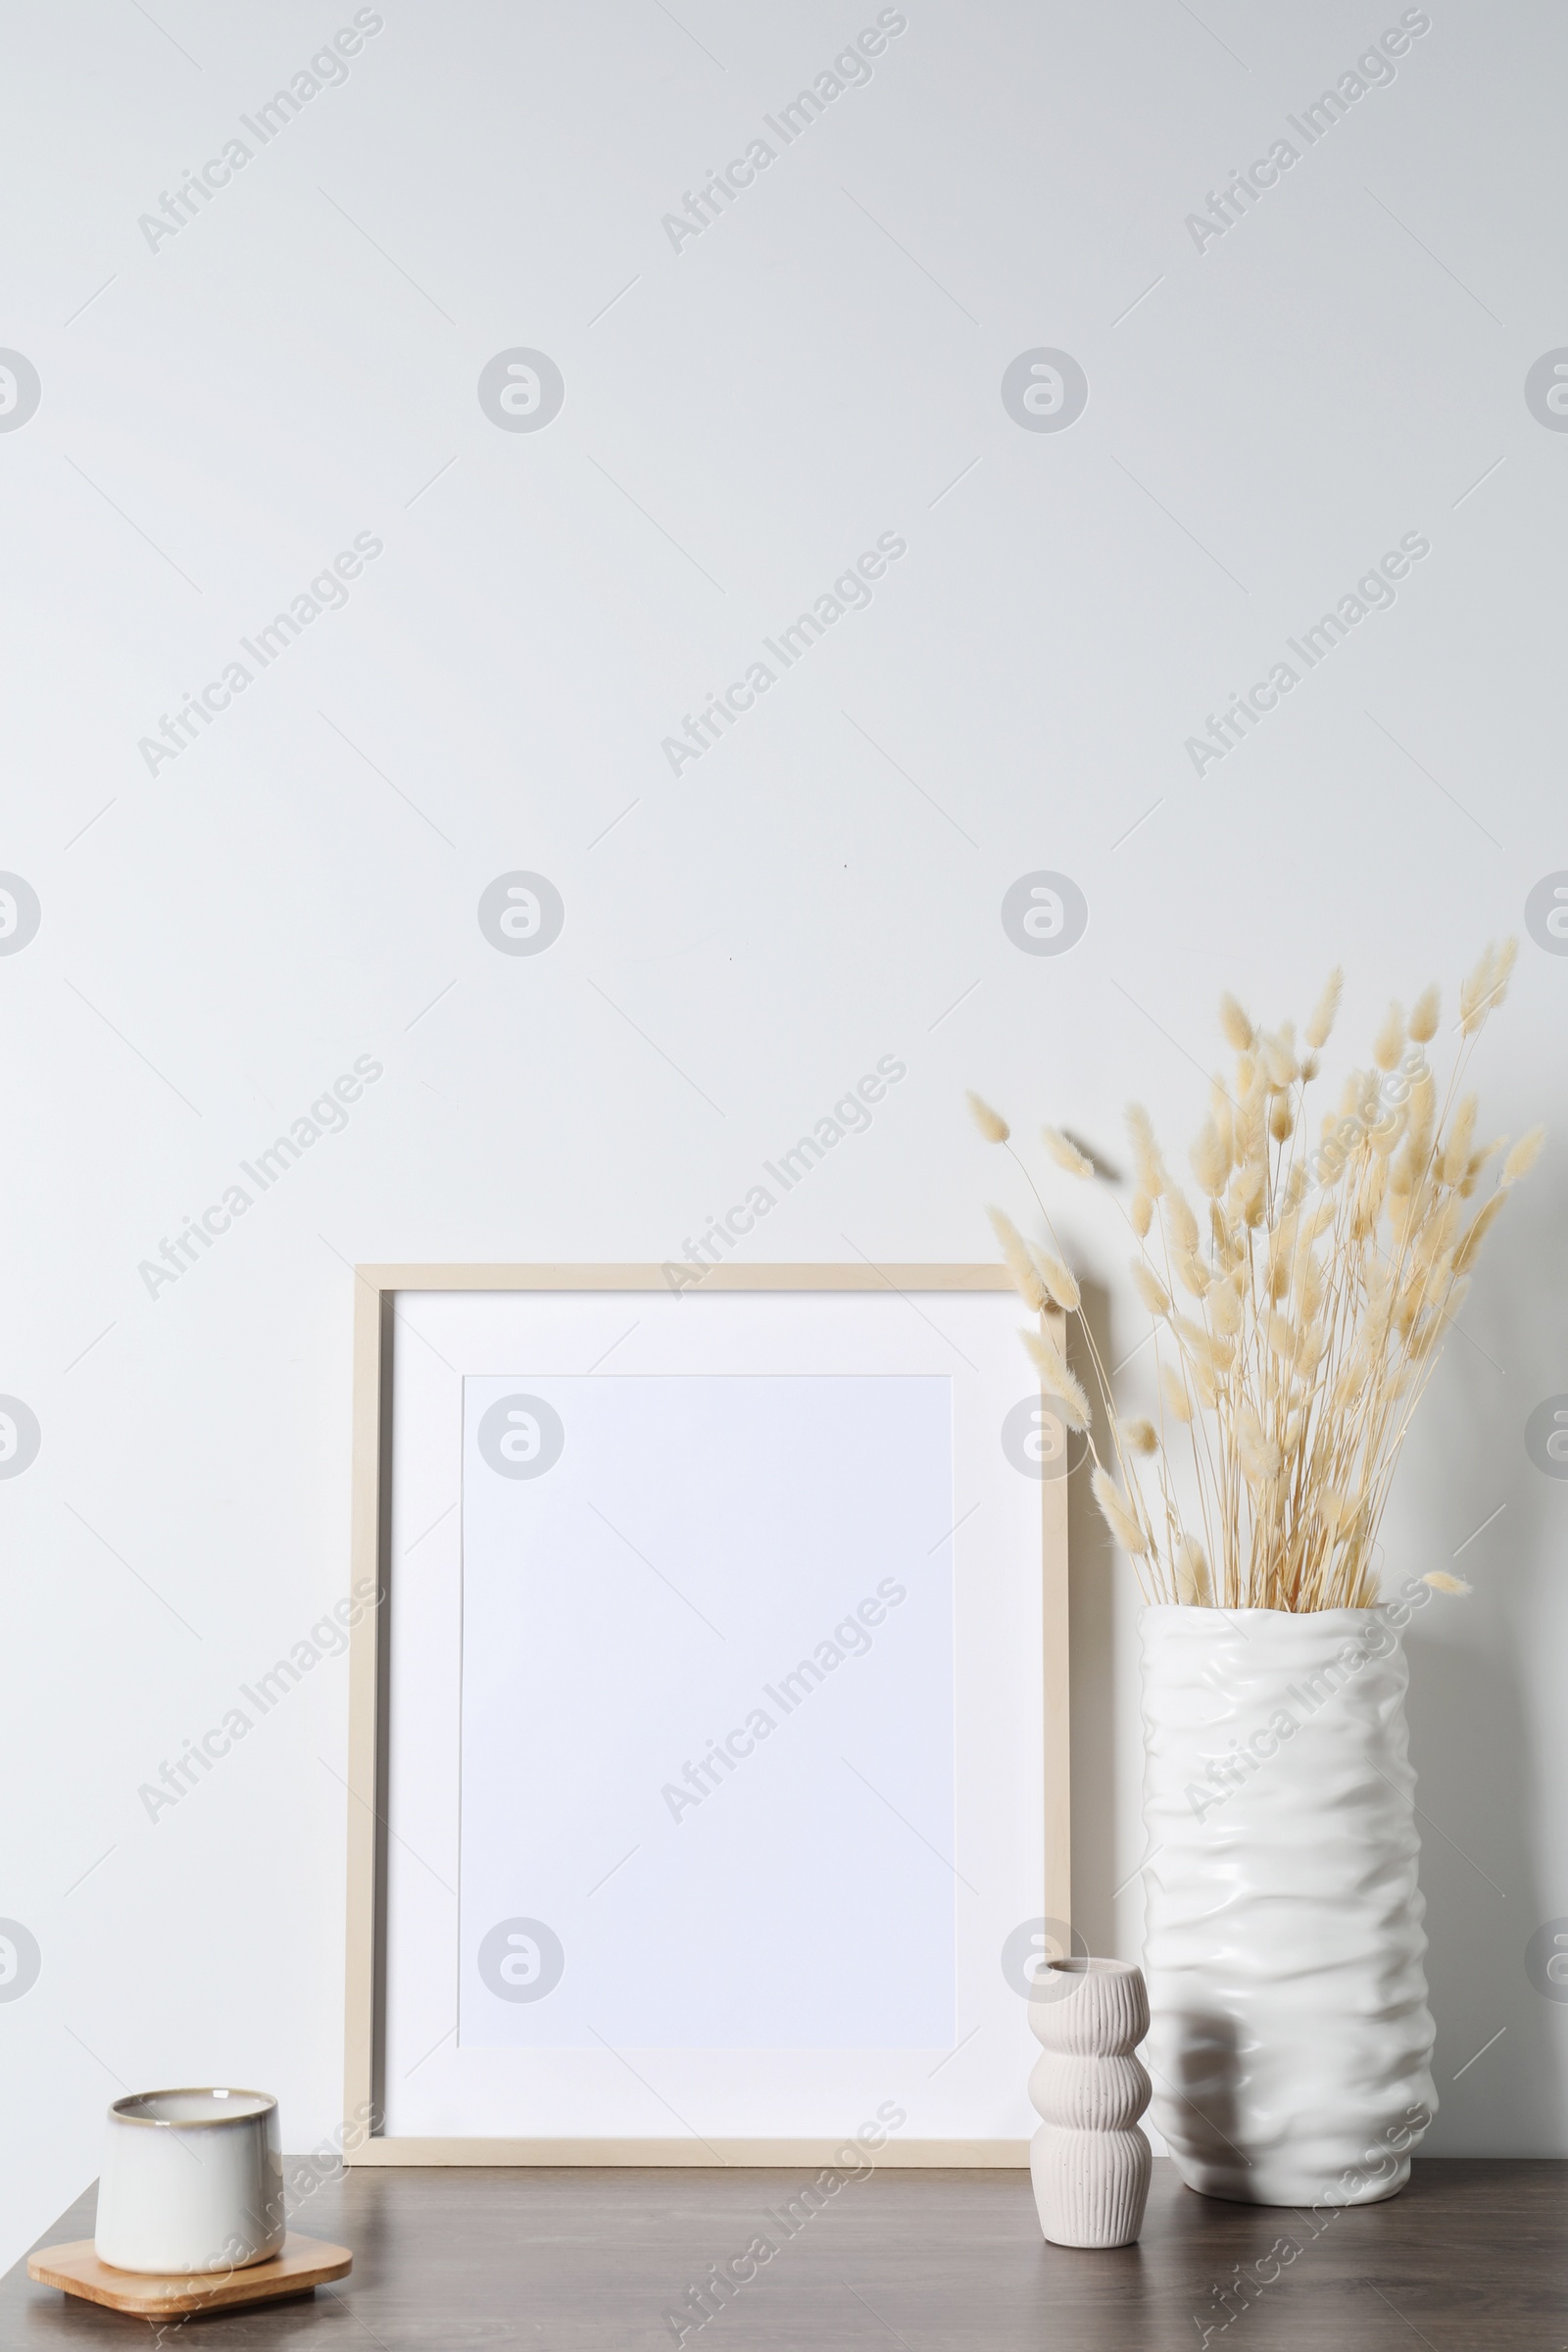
x=220 y=939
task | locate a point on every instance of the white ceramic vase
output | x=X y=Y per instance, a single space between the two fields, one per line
x=1089 y=2162
x=1291 y=2038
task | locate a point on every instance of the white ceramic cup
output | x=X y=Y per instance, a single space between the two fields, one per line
x=192 y=2181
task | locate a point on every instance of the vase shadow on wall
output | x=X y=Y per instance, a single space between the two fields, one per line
x=1482 y=1778
x=1478 y=1835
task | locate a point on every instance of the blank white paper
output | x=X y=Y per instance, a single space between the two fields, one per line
x=708 y=1712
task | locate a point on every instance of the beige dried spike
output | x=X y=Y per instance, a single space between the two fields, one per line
x=1065 y=1154
x=1424 y=1016
x=1193 y=1275
x=991 y=1123
x=1326 y=1009
x=1475 y=992
x=1020 y=1265
x=1203 y=1347
x=1117 y=1513
x=1210 y=1159
x=1150 y=1289
x=1194 y=1584
x=1523 y=1157
x=1464 y=1258
x=1056 y=1380
x=1059 y=1283
x=1453 y=1162
x=1237 y=1028
x=1279 y=1059
x=1389 y=1042
x=1180 y=1223
x=1145 y=1150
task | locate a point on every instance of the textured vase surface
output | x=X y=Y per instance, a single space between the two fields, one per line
x=1089 y=2162
x=1290 y=2040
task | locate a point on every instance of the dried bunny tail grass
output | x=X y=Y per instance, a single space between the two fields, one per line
x=1326 y=1009
x=1020 y=1265
x=1502 y=973
x=1210 y=1159
x=991 y=1123
x=1389 y=1042
x=1335 y=1510
x=1369 y=1201
x=1117 y=1515
x=1479 y=1159
x=1194 y=1584
x=1487 y=985
x=1065 y=1154
x=1421 y=1113
x=1056 y=1380
x=1193 y=1275
x=1453 y=1163
x=1220 y=1109
x=1180 y=1223
x=1442 y=1582
x=1149 y=1289
x=1145 y=1150
x=1060 y=1285
x=1328 y=1279
x=1472 y=991
x=1424 y=1016
x=1204 y=1347
x=1278 y=1058
x=1248 y=1190
x=1481 y=1224
x=1313 y=1226
x=1282 y=1336
x=1259 y=1455
x=1238 y=1029
x=1523 y=1157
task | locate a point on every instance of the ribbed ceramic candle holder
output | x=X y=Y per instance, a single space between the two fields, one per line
x=1089 y=2161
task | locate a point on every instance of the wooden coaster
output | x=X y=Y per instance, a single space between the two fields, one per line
x=304 y=2263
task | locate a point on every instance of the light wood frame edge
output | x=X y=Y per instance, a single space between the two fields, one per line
x=373 y=1291
x=908 y=2155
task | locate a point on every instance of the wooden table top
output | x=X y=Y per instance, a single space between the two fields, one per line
x=1473 y=2254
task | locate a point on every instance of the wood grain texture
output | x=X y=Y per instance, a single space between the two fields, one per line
x=1471 y=2258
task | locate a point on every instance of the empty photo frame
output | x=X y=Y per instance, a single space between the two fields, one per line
x=709 y=1737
